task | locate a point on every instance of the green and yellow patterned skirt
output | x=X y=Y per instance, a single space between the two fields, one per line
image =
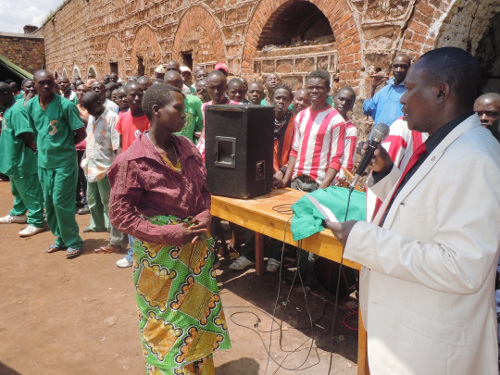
x=180 y=310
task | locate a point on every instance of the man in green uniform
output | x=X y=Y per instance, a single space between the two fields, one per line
x=18 y=161
x=58 y=128
x=192 y=108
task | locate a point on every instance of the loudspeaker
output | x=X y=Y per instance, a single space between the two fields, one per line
x=239 y=144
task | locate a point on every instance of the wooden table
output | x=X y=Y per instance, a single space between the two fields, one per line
x=261 y=215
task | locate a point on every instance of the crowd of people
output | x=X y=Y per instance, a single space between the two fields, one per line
x=132 y=152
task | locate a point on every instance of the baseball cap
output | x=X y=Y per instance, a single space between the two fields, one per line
x=160 y=69
x=221 y=66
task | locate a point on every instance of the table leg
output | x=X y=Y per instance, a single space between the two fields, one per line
x=259 y=254
x=362 y=348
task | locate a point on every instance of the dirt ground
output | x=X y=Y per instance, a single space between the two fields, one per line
x=78 y=316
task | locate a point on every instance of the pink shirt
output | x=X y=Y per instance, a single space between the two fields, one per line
x=318 y=143
x=142 y=185
x=130 y=127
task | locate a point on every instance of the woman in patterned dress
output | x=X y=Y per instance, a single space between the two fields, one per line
x=159 y=196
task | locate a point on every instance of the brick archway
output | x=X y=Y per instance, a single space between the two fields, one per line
x=452 y=23
x=76 y=73
x=475 y=16
x=91 y=68
x=114 y=54
x=197 y=24
x=341 y=21
x=147 y=48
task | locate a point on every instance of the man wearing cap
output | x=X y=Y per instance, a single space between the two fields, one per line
x=187 y=77
x=222 y=67
x=160 y=72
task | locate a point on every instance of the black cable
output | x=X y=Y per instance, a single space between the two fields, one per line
x=335 y=309
x=285 y=209
x=286 y=305
x=273 y=318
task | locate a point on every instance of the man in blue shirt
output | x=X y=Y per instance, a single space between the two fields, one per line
x=384 y=106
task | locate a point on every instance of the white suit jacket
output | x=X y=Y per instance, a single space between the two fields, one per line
x=427 y=282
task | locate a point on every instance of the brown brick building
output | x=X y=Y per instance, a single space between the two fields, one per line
x=349 y=38
x=24 y=50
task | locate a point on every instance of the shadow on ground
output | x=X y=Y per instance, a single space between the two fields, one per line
x=6 y=370
x=239 y=366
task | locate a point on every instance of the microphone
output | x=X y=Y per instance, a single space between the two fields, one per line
x=379 y=134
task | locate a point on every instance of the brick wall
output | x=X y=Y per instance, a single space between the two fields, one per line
x=24 y=51
x=367 y=35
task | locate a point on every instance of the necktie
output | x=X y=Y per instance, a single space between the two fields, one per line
x=413 y=159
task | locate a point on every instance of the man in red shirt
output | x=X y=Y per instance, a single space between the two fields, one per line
x=133 y=122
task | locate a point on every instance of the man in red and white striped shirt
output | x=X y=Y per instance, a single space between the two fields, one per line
x=318 y=145
x=216 y=87
x=344 y=101
x=317 y=153
x=400 y=145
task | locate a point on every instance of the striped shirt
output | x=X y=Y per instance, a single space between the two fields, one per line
x=351 y=138
x=201 y=143
x=400 y=145
x=318 y=143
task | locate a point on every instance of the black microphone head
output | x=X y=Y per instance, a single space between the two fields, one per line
x=380 y=132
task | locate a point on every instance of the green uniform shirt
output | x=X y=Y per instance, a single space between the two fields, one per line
x=19 y=96
x=194 y=117
x=54 y=129
x=16 y=159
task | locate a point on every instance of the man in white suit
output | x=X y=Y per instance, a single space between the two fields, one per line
x=429 y=257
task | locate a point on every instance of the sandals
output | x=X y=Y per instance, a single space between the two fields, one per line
x=54 y=248
x=110 y=249
x=92 y=230
x=73 y=252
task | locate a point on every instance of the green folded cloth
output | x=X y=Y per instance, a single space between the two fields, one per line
x=307 y=219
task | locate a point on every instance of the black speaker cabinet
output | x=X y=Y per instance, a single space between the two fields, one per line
x=239 y=144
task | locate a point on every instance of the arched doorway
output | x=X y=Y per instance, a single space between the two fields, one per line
x=198 y=39
x=305 y=42
x=76 y=73
x=295 y=37
x=146 y=54
x=92 y=73
x=114 y=61
x=488 y=54
x=475 y=27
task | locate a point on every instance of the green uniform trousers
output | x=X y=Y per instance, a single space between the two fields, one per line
x=59 y=185
x=98 y=201
x=28 y=195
